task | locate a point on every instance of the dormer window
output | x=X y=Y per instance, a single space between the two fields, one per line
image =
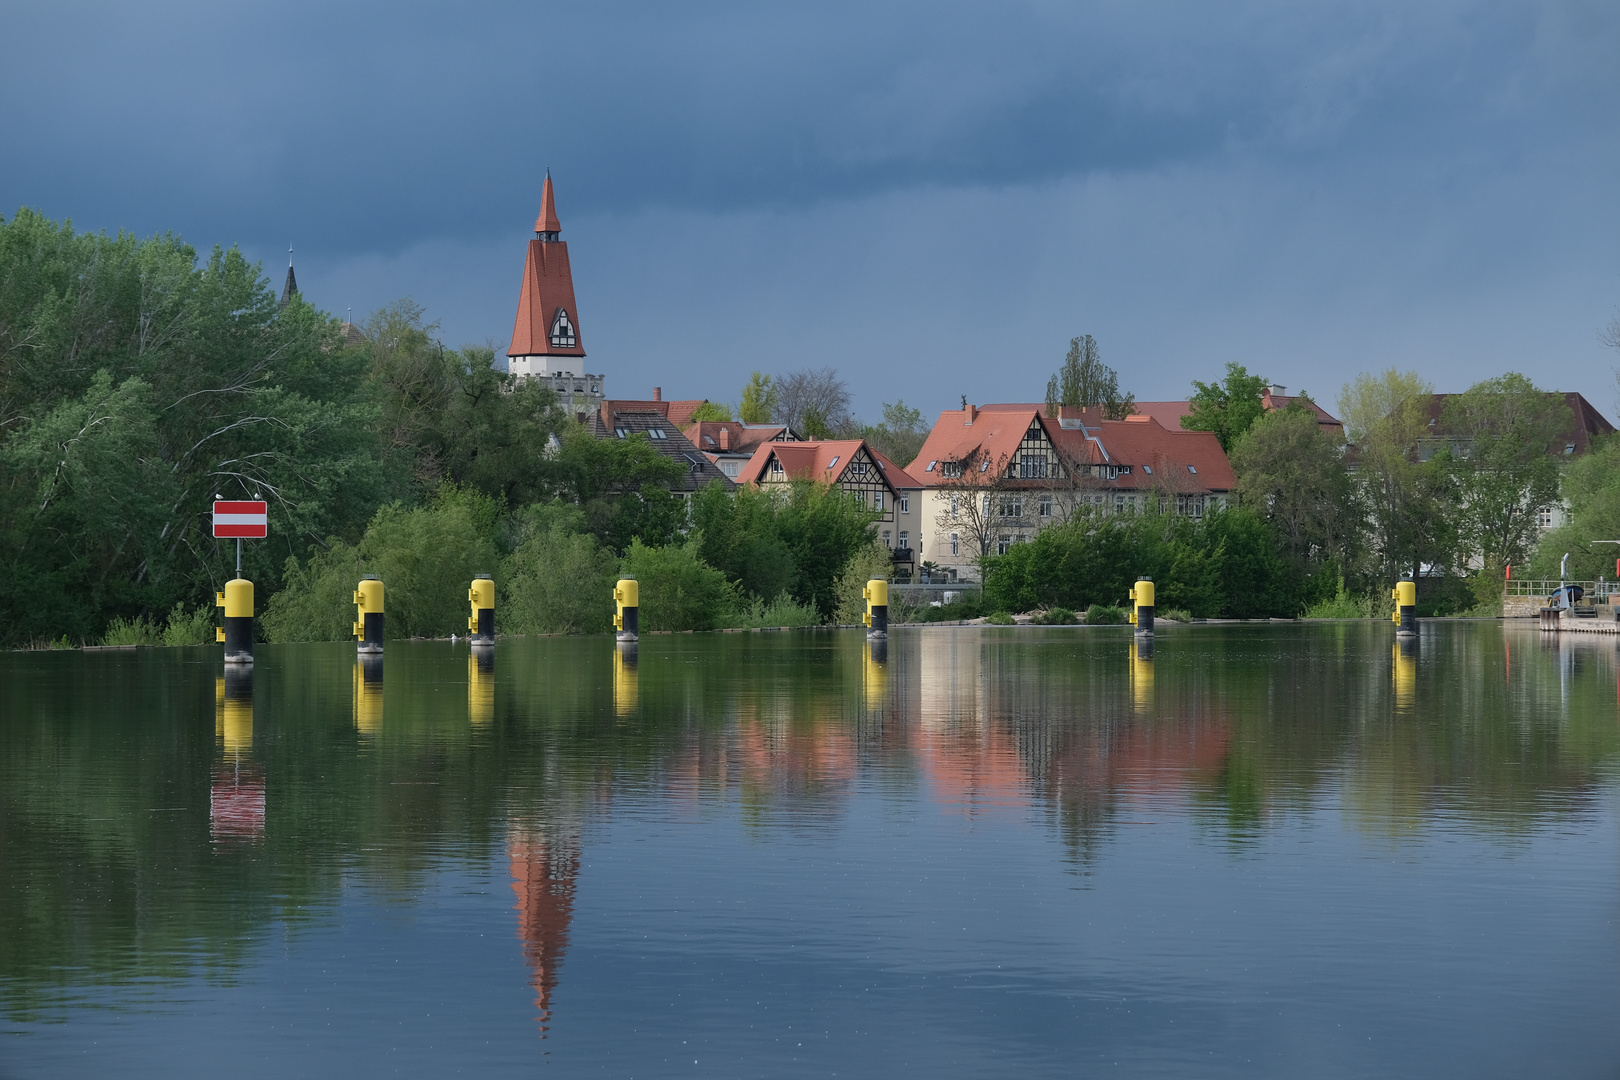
x=562 y=331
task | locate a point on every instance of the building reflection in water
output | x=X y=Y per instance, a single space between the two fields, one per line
x=544 y=864
x=368 y=693
x=969 y=762
x=236 y=790
x=481 y=686
x=626 y=692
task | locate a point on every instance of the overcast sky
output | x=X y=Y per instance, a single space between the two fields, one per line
x=933 y=198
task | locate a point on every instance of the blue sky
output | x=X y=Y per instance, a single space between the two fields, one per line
x=932 y=198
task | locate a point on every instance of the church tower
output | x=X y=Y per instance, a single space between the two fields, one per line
x=546 y=342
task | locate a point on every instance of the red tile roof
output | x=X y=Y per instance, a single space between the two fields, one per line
x=739 y=438
x=548 y=286
x=1586 y=423
x=824 y=461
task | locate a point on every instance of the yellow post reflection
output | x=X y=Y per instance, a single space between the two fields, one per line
x=236 y=787
x=626 y=693
x=1142 y=674
x=1404 y=654
x=481 y=686
x=875 y=673
x=368 y=693
x=233 y=712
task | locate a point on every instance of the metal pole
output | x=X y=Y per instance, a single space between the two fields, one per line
x=238 y=556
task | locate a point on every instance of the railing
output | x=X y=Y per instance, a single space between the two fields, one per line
x=1595 y=590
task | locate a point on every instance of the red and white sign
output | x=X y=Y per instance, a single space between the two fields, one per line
x=242 y=519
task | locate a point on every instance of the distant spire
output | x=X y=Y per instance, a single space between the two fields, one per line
x=290 y=289
x=546 y=226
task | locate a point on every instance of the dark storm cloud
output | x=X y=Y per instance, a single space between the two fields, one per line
x=1331 y=184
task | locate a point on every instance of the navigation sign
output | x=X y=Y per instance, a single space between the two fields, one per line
x=249 y=518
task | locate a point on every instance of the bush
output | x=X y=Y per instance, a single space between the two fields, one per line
x=1106 y=615
x=783 y=611
x=426 y=558
x=678 y=590
x=1173 y=614
x=189 y=628
x=559 y=580
x=137 y=631
x=1001 y=618
x=871 y=561
x=968 y=606
x=1345 y=606
x=1057 y=616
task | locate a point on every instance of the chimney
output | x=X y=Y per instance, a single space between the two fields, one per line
x=972 y=414
x=658 y=393
x=725 y=438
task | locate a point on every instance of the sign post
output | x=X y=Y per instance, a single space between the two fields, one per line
x=249 y=518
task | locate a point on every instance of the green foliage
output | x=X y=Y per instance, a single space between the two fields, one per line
x=796 y=537
x=814 y=425
x=678 y=591
x=711 y=411
x=901 y=434
x=967 y=606
x=189 y=627
x=137 y=631
x=1106 y=615
x=1228 y=408
x=1498 y=433
x=1085 y=381
x=1344 y=606
x=621 y=486
x=1293 y=475
x=1000 y=618
x=426 y=558
x=1174 y=614
x=869 y=562
x=558 y=579
x=759 y=400
x=1225 y=565
x=1056 y=616
x=1591 y=486
x=782 y=611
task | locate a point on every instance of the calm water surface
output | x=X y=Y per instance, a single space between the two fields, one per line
x=1266 y=851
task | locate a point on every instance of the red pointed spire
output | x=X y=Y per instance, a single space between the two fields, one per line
x=547 y=221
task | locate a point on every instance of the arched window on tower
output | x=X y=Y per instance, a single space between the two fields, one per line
x=562 y=330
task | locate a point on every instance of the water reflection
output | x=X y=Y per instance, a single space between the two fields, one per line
x=236 y=789
x=1087 y=734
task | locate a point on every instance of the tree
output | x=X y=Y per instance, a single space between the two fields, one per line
x=1410 y=503
x=1085 y=381
x=1228 y=408
x=901 y=434
x=819 y=395
x=1292 y=475
x=970 y=504
x=711 y=411
x=1591 y=487
x=759 y=400
x=1501 y=434
x=622 y=486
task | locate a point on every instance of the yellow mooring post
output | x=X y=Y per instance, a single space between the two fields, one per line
x=627 y=616
x=1405 y=616
x=237 y=631
x=1142 y=605
x=876 y=595
x=481 y=623
x=368 y=617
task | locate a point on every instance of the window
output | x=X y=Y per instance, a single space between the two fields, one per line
x=656 y=433
x=562 y=331
x=905 y=506
x=952 y=469
x=694 y=463
x=623 y=433
x=776 y=466
x=1193 y=469
x=860 y=498
x=956 y=545
x=905 y=540
x=1032 y=466
x=1013 y=508
x=1569 y=448
x=954 y=506
x=579 y=388
x=1119 y=504
x=1002 y=544
x=1046 y=508
x=886 y=542
x=984 y=466
x=1544 y=517
x=931 y=465
x=1148 y=469
x=833 y=462
x=596 y=388
x=877 y=500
